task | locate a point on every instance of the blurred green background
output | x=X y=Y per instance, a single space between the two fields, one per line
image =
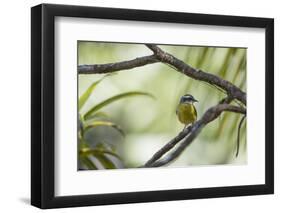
x=149 y=123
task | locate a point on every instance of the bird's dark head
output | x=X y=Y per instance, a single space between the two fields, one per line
x=187 y=98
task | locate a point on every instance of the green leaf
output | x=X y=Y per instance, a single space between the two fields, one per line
x=115 y=98
x=83 y=145
x=100 y=155
x=104 y=123
x=80 y=126
x=106 y=162
x=99 y=115
x=85 y=96
x=106 y=146
x=88 y=163
x=87 y=93
x=86 y=152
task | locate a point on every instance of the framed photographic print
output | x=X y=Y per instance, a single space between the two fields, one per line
x=140 y=106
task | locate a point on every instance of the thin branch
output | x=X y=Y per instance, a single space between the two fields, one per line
x=211 y=114
x=176 y=140
x=168 y=146
x=226 y=100
x=113 y=67
x=197 y=74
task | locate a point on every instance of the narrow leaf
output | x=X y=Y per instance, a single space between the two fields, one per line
x=106 y=146
x=94 y=152
x=85 y=96
x=115 y=98
x=87 y=93
x=107 y=163
x=106 y=124
x=99 y=115
x=83 y=146
x=88 y=163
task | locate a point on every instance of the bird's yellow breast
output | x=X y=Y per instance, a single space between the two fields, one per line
x=186 y=113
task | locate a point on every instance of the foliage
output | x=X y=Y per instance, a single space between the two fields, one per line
x=102 y=155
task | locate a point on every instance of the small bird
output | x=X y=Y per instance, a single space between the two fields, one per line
x=186 y=110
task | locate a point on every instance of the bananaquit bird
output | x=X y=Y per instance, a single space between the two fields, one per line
x=186 y=111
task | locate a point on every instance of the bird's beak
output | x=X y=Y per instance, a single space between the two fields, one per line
x=194 y=100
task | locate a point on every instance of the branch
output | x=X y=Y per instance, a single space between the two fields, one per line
x=168 y=146
x=210 y=115
x=161 y=56
x=184 y=68
x=176 y=139
x=113 y=67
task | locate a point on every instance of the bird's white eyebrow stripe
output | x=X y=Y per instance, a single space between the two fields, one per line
x=187 y=96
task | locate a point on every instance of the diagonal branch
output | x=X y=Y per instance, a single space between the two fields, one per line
x=210 y=115
x=113 y=67
x=184 y=68
x=168 y=146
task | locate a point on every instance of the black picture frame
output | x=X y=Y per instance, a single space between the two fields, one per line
x=43 y=102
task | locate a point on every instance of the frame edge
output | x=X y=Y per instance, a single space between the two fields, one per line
x=36 y=85
x=269 y=83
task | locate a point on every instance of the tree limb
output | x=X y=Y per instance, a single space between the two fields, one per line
x=197 y=74
x=113 y=67
x=168 y=146
x=161 y=56
x=210 y=115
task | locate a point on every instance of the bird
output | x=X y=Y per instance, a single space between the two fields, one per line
x=186 y=110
